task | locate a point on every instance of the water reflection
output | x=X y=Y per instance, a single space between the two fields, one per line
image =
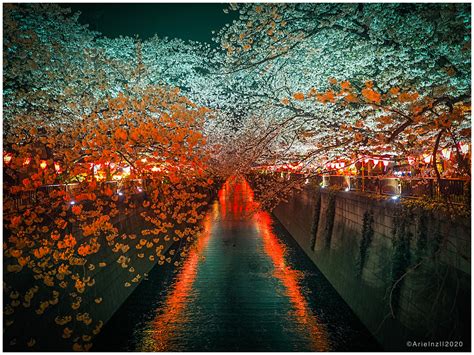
x=302 y=314
x=235 y=290
x=172 y=317
x=248 y=209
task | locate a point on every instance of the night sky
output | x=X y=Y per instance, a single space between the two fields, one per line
x=192 y=21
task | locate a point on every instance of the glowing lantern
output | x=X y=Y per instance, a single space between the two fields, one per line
x=411 y=160
x=143 y=160
x=333 y=165
x=385 y=162
x=57 y=167
x=376 y=161
x=366 y=160
x=27 y=161
x=43 y=164
x=7 y=158
x=155 y=169
x=446 y=153
x=337 y=165
x=343 y=164
x=427 y=158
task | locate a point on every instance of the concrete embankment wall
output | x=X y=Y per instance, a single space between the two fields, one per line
x=405 y=275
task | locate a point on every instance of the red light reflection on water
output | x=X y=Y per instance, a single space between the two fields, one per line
x=167 y=323
x=236 y=202
x=289 y=278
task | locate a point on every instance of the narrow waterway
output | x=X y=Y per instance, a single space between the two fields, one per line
x=247 y=286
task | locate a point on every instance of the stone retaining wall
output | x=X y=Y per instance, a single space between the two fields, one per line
x=431 y=302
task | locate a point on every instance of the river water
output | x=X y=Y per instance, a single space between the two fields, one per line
x=247 y=286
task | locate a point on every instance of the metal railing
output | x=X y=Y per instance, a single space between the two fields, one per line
x=30 y=198
x=453 y=190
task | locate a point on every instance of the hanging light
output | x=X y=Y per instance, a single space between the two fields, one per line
x=7 y=158
x=386 y=162
x=337 y=165
x=57 y=167
x=376 y=161
x=27 y=161
x=411 y=160
x=343 y=164
x=446 y=153
x=366 y=160
x=427 y=158
x=43 y=164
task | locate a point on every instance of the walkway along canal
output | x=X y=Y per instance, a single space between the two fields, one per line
x=247 y=286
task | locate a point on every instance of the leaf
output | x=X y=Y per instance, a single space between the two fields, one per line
x=298 y=96
x=371 y=95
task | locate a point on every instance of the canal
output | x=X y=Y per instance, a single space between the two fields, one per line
x=246 y=286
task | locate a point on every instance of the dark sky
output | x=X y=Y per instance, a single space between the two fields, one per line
x=191 y=21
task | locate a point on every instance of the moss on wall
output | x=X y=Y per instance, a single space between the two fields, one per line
x=366 y=240
x=316 y=214
x=330 y=214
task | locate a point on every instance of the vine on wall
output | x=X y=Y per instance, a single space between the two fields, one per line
x=367 y=235
x=330 y=213
x=317 y=212
x=401 y=254
x=428 y=243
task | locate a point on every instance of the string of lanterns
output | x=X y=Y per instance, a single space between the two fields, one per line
x=337 y=165
x=426 y=158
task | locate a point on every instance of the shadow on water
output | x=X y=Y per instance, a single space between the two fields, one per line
x=247 y=286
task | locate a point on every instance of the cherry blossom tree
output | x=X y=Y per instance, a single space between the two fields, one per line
x=297 y=84
x=292 y=54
